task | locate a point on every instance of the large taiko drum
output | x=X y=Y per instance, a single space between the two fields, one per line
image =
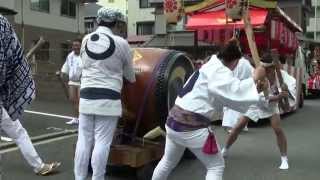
x=160 y=74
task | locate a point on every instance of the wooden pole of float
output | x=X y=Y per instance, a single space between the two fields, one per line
x=284 y=103
x=251 y=39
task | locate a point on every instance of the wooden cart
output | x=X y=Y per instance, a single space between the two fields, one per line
x=139 y=154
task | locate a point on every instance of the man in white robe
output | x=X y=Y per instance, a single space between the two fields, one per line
x=243 y=71
x=266 y=108
x=106 y=62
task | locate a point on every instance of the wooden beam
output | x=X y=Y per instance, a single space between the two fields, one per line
x=251 y=38
x=264 y=3
x=252 y=42
x=283 y=103
x=199 y=6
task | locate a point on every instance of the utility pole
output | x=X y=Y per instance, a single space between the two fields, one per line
x=315 y=19
x=78 y=15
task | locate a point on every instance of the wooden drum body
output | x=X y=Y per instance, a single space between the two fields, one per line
x=160 y=74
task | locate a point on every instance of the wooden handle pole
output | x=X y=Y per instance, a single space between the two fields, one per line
x=35 y=47
x=252 y=43
x=284 y=103
x=251 y=39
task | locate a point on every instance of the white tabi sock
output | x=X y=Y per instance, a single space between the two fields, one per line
x=284 y=163
x=224 y=152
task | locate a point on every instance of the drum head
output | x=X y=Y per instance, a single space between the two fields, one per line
x=173 y=73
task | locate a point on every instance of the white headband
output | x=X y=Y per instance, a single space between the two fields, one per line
x=266 y=64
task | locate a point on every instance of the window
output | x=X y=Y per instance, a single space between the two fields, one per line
x=144 y=3
x=43 y=53
x=40 y=5
x=145 y=28
x=68 y=8
x=89 y=26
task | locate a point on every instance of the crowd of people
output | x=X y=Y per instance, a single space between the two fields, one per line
x=96 y=71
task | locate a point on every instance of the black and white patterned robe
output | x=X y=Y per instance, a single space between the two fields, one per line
x=17 y=88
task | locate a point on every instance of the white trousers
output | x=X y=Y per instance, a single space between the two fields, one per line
x=94 y=140
x=20 y=136
x=230 y=118
x=173 y=153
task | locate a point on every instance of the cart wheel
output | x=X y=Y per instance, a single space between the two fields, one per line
x=145 y=172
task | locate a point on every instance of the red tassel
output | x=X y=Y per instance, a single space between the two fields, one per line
x=210 y=146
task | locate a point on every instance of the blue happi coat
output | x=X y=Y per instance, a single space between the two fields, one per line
x=17 y=88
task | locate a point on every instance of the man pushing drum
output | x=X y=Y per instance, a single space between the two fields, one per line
x=206 y=92
x=106 y=59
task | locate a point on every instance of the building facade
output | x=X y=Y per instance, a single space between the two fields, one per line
x=141 y=20
x=140 y=17
x=90 y=23
x=298 y=10
x=313 y=29
x=58 y=22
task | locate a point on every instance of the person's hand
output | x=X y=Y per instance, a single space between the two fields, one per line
x=58 y=73
x=283 y=94
x=259 y=74
x=262 y=85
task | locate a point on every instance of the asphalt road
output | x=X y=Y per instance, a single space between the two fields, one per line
x=255 y=155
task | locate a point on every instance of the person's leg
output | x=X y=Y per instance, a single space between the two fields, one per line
x=230 y=119
x=20 y=136
x=18 y=133
x=77 y=101
x=74 y=99
x=104 y=129
x=213 y=163
x=246 y=129
x=84 y=146
x=172 y=155
x=281 y=140
x=232 y=137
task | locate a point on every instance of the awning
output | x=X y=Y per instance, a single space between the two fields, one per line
x=217 y=19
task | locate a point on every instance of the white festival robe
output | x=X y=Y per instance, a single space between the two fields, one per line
x=214 y=88
x=266 y=109
x=242 y=71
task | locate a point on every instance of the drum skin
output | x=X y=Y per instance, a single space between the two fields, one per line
x=160 y=74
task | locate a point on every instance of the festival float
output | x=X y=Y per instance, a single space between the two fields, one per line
x=265 y=26
x=161 y=73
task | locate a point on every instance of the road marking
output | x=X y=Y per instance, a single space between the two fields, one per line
x=49 y=114
x=54 y=129
x=6 y=139
x=40 y=143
